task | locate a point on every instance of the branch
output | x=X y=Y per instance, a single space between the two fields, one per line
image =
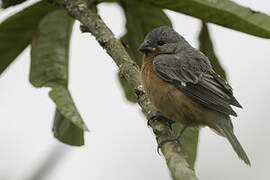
x=78 y=9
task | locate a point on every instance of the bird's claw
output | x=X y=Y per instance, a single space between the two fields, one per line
x=168 y=139
x=171 y=138
x=159 y=117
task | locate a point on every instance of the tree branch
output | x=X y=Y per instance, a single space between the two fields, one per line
x=78 y=9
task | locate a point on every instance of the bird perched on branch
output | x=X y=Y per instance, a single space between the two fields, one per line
x=182 y=85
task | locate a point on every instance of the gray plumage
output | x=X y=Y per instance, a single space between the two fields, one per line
x=190 y=71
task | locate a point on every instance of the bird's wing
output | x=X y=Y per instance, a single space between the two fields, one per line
x=194 y=76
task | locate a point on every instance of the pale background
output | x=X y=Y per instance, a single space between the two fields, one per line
x=120 y=146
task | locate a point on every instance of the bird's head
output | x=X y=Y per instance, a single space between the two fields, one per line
x=162 y=39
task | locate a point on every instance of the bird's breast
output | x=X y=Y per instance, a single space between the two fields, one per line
x=170 y=101
x=154 y=86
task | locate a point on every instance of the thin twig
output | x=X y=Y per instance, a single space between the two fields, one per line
x=78 y=9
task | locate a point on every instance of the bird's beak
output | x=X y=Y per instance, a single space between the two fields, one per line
x=146 y=48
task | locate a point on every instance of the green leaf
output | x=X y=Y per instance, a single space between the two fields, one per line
x=65 y=131
x=141 y=18
x=206 y=46
x=64 y=103
x=127 y=89
x=137 y=28
x=8 y=3
x=222 y=12
x=49 y=62
x=16 y=31
x=189 y=141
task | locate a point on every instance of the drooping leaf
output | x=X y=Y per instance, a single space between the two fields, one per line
x=222 y=12
x=8 y=3
x=49 y=68
x=16 y=31
x=206 y=46
x=65 y=131
x=137 y=28
x=65 y=105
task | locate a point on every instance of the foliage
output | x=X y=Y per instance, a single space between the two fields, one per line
x=206 y=46
x=49 y=68
x=221 y=12
x=17 y=31
x=48 y=28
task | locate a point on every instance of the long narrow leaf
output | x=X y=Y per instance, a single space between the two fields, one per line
x=65 y=131
x=49 y=68
x=206 y=46
x=16 y=32
x=222 y=12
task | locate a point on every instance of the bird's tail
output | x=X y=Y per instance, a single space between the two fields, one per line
x=227 y=131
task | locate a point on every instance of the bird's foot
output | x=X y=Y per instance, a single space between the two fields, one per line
x=168 y=139
x=159 y=117
x=171 y=139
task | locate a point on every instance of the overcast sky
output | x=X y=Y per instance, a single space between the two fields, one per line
x=120 y=146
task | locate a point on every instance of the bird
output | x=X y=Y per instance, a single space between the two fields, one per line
x=182 y=85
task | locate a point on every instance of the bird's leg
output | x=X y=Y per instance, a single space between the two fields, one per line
x=159 y=117
x=172 y=138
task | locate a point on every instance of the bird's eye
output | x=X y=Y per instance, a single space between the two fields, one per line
x=160 y=43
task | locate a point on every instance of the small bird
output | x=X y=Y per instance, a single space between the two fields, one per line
x=182 y=85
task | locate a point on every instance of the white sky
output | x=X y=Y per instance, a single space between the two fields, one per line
x=120 y=146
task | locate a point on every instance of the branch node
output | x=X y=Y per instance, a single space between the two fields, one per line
x=84 y=29
x=139 y=90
